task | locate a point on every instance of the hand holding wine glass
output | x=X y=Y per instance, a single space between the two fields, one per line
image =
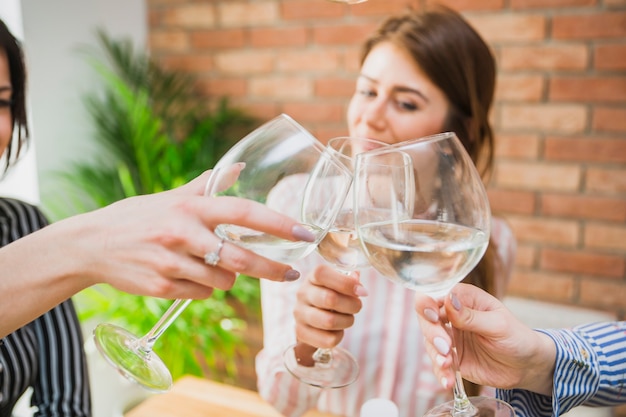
x=426 y=228
x=335 y=367
x=253 y=169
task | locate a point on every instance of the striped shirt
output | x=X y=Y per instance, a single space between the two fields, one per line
x=385 y=339
x=46 y=354
x=590 y=370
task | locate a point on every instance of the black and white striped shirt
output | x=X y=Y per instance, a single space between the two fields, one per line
x=46 y=354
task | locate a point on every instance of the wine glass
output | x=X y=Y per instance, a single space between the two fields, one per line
x=279 y=152
x=336 y=367
x=433 y=243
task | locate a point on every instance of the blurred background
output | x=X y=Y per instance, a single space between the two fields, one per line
x=559 y=117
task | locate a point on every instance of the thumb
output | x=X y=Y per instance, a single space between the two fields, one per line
x=472 y=309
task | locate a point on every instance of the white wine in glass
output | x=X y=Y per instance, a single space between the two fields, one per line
x=433 y=243
x=279 y=151
x=341 y=247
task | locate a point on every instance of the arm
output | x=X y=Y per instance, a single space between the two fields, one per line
x=152 y=245
x=62 y=386
x=590 y=365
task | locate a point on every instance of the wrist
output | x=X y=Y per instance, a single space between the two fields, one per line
x=540 y=375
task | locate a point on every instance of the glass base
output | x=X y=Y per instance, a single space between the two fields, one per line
x=484 y=407
x=341 y=371
x=121 y=349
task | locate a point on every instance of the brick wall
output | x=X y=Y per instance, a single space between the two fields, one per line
x=560 y=115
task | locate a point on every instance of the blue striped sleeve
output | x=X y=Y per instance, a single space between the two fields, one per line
x=590 y=369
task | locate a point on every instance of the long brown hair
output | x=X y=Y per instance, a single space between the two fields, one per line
x=15 y=56
x=459 y=62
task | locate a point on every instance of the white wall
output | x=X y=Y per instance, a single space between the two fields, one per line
x=59 y=77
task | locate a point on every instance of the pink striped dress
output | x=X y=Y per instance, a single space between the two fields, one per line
x=385 y=339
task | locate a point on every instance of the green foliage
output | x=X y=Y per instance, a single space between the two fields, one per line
x=155 y=134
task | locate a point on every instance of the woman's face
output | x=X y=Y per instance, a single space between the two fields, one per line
x=6 y=125
x=394 y=101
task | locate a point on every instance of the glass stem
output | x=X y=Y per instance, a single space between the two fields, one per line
x=462 y=405
x=146 y=343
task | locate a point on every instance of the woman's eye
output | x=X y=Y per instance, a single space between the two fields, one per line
x=407 y=105
x=4 y=103
x=365 y=92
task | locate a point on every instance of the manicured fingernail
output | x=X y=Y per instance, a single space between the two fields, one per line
x=302 y=233
x=455 y=302
x=444 y=382
x=431 y=315
x=292 y=275
x=441 y=345
x=361 y=291
x=240 y=165
x=440 y=360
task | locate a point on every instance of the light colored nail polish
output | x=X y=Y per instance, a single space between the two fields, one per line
x=302 y=233
x=292 y=275
x=440 y=360
x=455 y=302
x=361 y=291
x=441 y=345
x=431 y=315
x=444 y=382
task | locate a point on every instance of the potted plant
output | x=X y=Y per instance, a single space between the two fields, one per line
x=155 y=134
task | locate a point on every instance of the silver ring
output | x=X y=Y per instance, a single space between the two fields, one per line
x=212 y=258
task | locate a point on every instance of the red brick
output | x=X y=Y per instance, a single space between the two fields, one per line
x=563 y=233
x=470 y=5
x=334 y=87
x=191 y=16
x=526 y=255
x=543 y=286
x=220 y=38
x=556 y=118
x=308 y=60
x=588 y=89
x=169 y=40
x=316 y=111
x=580 y=262
x=610 y=57
x=585 y=149
x=381 y=8
x=518 y=146
x=505 y=201
x=520 y=87
x=544 y=57
x=245 y=14
x=583 y=207
x=541 y=4
x=347 y=34
x=606 y=180
x=224 y=87
x=605 y=236
x=270 y=37
x=602 y=294
x=188 y=63
x=310 y=9
x=245 y=61
x=590 y=26
x=609 y=119
x=281 y=87
x=509 y=27
x=538 y=176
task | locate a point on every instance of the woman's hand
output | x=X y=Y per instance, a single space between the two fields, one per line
x=326 y=304
x=494 y=347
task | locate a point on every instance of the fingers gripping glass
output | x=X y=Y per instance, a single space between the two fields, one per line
x=336 y=367
x=426 y=230
x=278 y=156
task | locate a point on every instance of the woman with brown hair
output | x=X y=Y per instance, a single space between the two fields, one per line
x=421 y=73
